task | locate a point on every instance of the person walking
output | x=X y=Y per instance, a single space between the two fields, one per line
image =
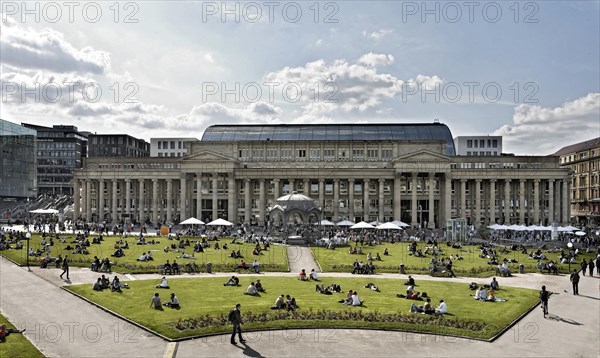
x=235 y=316
x=575 y=281
x=583 y=266
x=65 y=267
x=598 y=265
x=544 y=300
x=591 y=267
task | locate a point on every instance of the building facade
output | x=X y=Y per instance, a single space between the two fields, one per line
x=478 y=145
x=117 y=145
x=18 y=171
x=370 y=172
x=583 y=159
x=170 y=147
x=60 y=150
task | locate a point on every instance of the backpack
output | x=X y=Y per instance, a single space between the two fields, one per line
x=231 y=315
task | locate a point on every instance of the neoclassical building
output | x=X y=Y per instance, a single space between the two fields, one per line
x=367 y=172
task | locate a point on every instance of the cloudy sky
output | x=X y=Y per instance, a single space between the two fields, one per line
x=528 y=71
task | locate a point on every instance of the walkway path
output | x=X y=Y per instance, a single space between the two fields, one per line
x=300 y=257
x=62 y=325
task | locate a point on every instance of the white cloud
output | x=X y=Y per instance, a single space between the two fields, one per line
x=319 y=42
x=48 y=50
x=377 y=35
x=537 y=129
x=376 y=59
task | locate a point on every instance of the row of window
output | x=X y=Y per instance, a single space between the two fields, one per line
x=315 y=154
x=163 y=144
x=508 y=165
x=480 y=153
x=56 y=145
x=480 y=143
x=161 y=154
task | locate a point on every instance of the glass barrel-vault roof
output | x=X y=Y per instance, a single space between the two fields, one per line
x=332 y=132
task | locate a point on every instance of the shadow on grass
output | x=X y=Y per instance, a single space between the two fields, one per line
x=566 y=320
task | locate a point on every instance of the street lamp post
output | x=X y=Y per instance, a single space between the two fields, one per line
x=28 y=236
x=570 y=246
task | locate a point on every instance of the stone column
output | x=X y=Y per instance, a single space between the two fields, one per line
x=413 y=201
x=366 y=199
x=336 y=200
x=141 y=200
x=247 y=203
x=100 y=204
x=565 y=202
x=322 y=193
x=128 y=199
x=262 y=202
x=76 y=199
x=492 y=205
x=199 y=196
x=215 y=197
x=231 y=199
x=536 y=202
x=114 y=190
x=463 y=198
x=522 y=208
x=397 y=199
x=351 y=199
x=183 y=197
x=431 y=218
x=88 y=199
x=477 y=222
x=276 y=190
x=169 y=201
x=307 y=187
x=291 y=186
x=154 y=201
x=447 y=197
x=507 y=202
x=550 y=201
x=381 y=199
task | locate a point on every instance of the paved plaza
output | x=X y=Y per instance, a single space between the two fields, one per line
x=62 y=325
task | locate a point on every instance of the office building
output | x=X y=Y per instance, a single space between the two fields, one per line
x=478 y=145
x=18 y=172
x=117 y=145
x=170 y=147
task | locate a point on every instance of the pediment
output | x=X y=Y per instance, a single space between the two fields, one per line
x=208 y=156
x=421 y=156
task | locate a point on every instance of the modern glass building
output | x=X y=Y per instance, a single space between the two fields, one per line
x=18 y=156
x=60 y=150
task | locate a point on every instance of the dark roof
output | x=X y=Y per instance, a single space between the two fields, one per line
x=332 y=132
x=578 y=147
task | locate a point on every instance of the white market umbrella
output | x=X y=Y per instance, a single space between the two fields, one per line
x=497 y=227
x=376 y=223
x=362 y=225
x=389 y=226
x=219 y=222
x=580 y=233
x=571 y=228
x=345 y=223
x=326 y=223
x=192 y=221
x=44 y=211
x=400 y=223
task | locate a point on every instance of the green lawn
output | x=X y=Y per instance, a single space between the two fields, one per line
x=16 y=345
x=205 y=303
x=339 y=260
x=274 y=259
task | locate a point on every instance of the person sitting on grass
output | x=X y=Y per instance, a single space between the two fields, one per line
x=279 y=303
x=233 y=281
x=372 y=286
x=355 y=300
x=291 y=303
x=155 y=302
x=116 y=285
x=442 y=308
x=104 y=282
x=410 y=282
x=494 y=284
x=259 y=286
x=481 y=294
x=173 y=302
x=142 y=257
x=5 y=331
x=313 y=275
x=163 y=283
x=378 y=257
x=251 y=290
x=322 y=289
x=386 y=252
x=491 y=295
x=149 y=256
x=426 y=308
x=97 y=286
x=302 y=275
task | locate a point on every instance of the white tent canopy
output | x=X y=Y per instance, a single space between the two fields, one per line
x=497 y=227
x=219 y=222
x=389 y=226
x=44 y=211
x=400 y=223
x=192 y=221
x=362 y=225
x=345 y=223
x=326 y=223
